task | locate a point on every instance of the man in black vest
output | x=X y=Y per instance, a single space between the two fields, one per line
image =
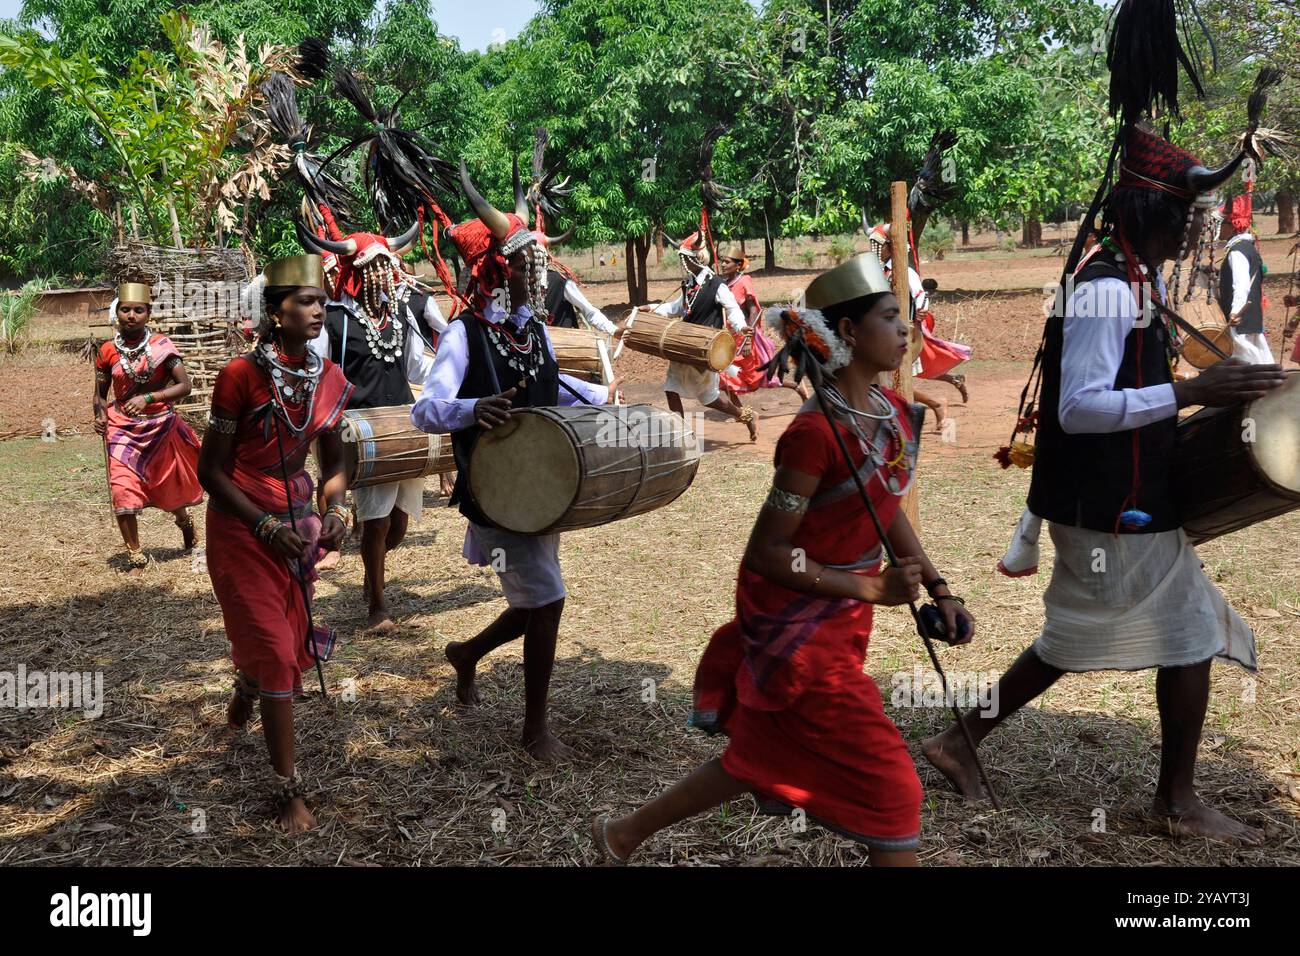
x=1241 y=284
x=706 y=300
x=495 y=357
x=377 y=327
x=1127 y=591
x=569 y=308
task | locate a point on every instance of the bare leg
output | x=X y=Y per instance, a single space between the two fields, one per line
x=674 y=403
x=374 y=541
x=130 y=529
x=956 y=381
x=1028 y=677
x=540 y=636
x=277 y=726
x=465 y=655
x=891 y=857
x=706 y=786
x=186 y=524
x=1181 y=695
x=398 y=522
x=728 y=404
x=940 y=408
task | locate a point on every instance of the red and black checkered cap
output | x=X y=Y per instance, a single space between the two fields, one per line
x=1149 y=162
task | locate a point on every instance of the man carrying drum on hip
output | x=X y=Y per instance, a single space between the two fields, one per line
x=372 y=332
x=494 y=357
x=705 y=299
x=1127 y=590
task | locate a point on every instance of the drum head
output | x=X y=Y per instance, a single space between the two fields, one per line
x=1276 y=423
x=524 y=475
x=722 y=351
x=1201 y=357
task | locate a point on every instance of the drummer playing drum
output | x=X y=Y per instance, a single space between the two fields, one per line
x=497 y=356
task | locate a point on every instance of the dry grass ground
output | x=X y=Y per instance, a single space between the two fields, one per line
x=401 y=775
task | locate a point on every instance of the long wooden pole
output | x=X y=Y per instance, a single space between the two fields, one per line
x=898 y=230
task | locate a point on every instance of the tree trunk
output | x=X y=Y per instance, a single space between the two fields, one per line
x=1286 y=210
x=965 y=233
x=629 y=266
x=659 y=247
x=1032 y=233
x=642 y=251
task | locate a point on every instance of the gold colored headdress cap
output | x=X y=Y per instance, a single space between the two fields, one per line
x=296 y=271
x=861 y=275
x=136 y=293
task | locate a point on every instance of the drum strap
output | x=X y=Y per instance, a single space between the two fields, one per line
x=575 y=393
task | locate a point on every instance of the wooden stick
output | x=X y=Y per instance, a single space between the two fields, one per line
x=898 y=229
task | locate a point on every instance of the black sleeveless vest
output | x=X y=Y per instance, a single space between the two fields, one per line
x=487 y=373
x=705 y=309
x=376 y=383
x=1083 y=480
x=563 y=314
x=1252 y=313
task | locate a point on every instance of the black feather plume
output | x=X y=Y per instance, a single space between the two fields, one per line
x=402 y=171
x=930 y=190
x=286 y=120
x=313 y=58
x=713 y=193
x=1150 y=41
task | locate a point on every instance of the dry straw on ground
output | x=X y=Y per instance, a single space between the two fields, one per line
x=400 y=775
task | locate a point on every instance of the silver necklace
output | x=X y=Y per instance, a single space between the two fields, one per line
x=291 y=386
x=130 y=355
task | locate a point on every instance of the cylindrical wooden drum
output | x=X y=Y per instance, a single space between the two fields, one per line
x=582 y=354
x=381 y=445
x=677 y=340
x=1237 y=466
x=585 y=466
x=1206 y=318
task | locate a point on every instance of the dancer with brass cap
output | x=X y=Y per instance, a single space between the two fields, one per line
x=496 y=356
x=263 y=539
x=150 y=451
x=1127 y=590
x=784 y=679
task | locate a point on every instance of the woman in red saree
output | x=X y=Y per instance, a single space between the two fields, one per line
x=785 y=678
x=755 y=350
x=151 y=451
x=262 y=536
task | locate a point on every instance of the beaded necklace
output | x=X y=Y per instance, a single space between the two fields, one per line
x=523 y=354
x=128 y=356
x=292 y=389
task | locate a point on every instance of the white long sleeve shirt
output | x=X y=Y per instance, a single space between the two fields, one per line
x=1240 y=272
x=439 y=411
x=1098 y=318
x=592 y=315
x=731 y=311
x=417 y=362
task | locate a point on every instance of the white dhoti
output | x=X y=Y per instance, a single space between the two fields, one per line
x=1133 y=601
x=378 y=501
x=692 y=382
x=528 y=565
x=1252 y=347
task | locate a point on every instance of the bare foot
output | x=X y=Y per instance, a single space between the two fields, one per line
x=295 y=817
x=751 y=422
x=940 y=416
x=188 y=536
x=547 y=748
x=238 y=712
x=614 y=849
x=329 y=561
x=466 y=690
x=960 y=382
x=1198 y=820
x=135 y=573
x=379 y=622
x=949 y=754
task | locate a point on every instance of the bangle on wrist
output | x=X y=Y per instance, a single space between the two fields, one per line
x=931 y=585
x=948 y=597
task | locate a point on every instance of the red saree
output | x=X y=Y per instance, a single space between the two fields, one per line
x=785 y=679
x=261 y=599
x=753 y=367
x=152 y=459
